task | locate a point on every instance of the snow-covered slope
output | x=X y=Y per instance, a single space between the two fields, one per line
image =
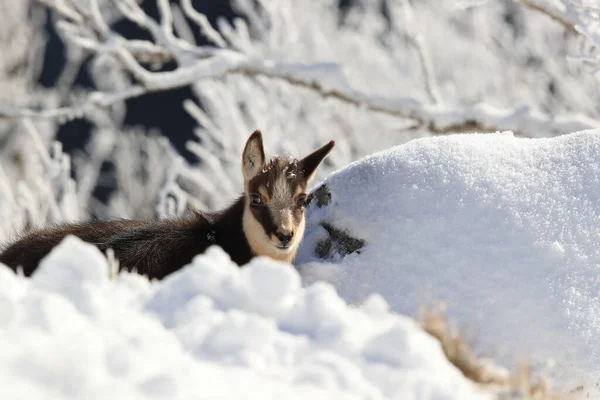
x=505 y=231
x=210 y=331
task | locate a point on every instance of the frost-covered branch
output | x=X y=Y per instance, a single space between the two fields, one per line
x=329 y=81
x=46 y=192
x=205 y=27
x=86 y=28
x=573 y=16
x=414 y=33
x=561 y=14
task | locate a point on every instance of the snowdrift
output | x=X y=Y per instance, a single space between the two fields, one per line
x=209 y=331
x=504 y=230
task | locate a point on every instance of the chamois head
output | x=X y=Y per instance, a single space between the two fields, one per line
x=275 y=197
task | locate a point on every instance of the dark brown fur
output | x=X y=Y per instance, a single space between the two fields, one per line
x=153 y=248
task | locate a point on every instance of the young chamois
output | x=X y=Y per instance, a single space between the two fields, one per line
x=267 y=220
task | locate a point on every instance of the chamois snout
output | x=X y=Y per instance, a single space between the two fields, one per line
x=284 y=237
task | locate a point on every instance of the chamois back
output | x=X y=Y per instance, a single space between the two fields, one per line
x=152 y=248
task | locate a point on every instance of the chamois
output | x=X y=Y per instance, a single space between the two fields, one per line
x=267 y=219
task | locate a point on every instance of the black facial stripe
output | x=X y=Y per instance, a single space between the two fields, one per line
x=264 y=218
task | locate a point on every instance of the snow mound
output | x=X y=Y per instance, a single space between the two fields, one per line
x=504 y=230
x=209 y=331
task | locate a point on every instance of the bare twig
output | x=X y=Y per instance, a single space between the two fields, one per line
x=567 y=19
x=113 y=264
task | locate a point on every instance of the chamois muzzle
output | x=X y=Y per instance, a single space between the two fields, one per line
x=284 y=238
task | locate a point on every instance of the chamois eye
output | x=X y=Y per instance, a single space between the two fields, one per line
x=255 y=200
x=301 y=201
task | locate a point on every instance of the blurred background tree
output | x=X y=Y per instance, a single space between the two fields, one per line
x=140 y=108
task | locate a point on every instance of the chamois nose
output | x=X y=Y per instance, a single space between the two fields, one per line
x=284 y=237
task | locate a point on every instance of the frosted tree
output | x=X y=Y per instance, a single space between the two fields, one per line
x=371 y=75
x=582 y=17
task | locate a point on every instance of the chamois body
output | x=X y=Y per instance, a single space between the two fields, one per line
x=267 y=220
x=152 y=248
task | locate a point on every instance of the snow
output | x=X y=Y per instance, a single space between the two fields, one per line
x=209 y=331
x=503 y=230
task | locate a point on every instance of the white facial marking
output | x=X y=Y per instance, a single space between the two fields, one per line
x=281 y=205
x=284 y=221
x=262 y=245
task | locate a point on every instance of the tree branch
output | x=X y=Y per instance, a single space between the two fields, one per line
x=567 y=19
x=328 y=80
x=415 y=35
x=578 y=18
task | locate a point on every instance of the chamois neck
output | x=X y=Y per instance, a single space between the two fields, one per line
x=228 y=232
x=232 y=215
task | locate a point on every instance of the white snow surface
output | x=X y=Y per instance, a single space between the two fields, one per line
x=504 y=230
x=209 y=331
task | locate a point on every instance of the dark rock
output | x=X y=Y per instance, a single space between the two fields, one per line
x=321 y=195
x=338 y=242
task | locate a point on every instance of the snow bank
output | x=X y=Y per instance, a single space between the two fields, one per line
x=505 y=231
x=209 y=331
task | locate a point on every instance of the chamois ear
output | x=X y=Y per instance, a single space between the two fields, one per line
x=309 y=164
x=253 y=157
